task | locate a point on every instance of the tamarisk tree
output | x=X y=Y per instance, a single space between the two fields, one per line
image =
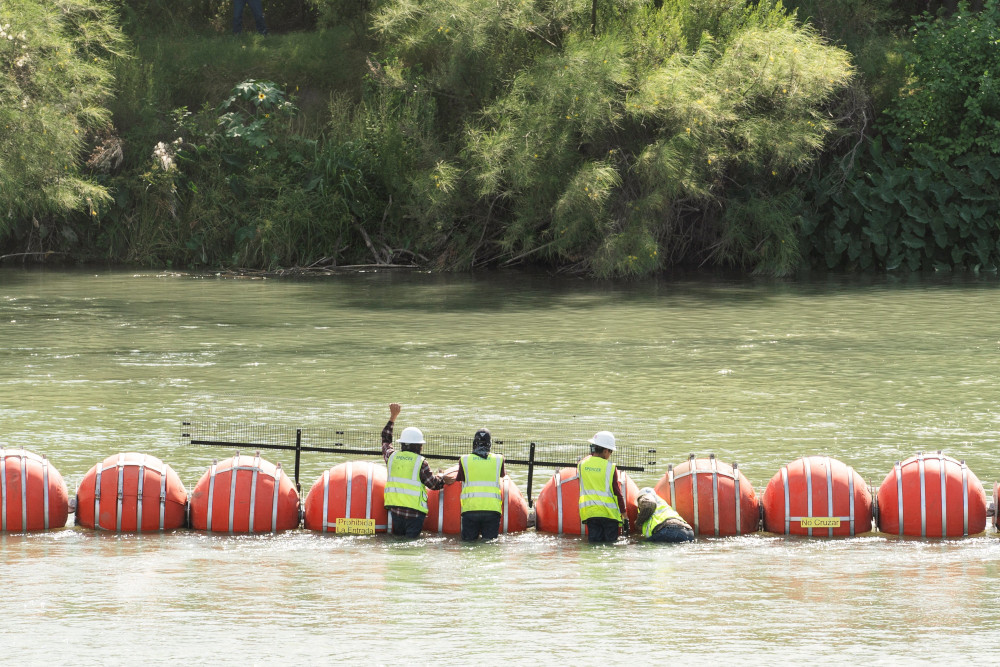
x=617 y=137
x=54 y=75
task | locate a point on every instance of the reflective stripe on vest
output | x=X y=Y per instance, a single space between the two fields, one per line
x=403 y=488
x=597 y=500
x=662 y=512
x=481 y=488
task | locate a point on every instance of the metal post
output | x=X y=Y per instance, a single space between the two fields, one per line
x=531 y=470
x=298 y=454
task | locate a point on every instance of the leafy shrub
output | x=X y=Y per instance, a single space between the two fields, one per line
x=952 y=103
x=909 y=209
x=239 y=185
x=616 y=145
x=925 y=195
x=55 y=57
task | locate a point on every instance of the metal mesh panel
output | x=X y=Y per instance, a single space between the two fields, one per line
x=367 y=442
x=332 y=431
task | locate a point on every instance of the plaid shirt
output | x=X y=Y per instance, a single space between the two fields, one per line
x=429 y=479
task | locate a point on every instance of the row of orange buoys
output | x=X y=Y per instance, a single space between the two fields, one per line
x=928 y=495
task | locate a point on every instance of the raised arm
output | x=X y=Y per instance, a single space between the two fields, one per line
x=387 y=449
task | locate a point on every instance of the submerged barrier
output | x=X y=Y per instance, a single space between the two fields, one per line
x=927 y=495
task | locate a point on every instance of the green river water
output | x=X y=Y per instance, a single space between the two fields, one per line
x=763 y=372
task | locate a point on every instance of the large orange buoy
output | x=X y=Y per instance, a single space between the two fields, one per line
x=931 y=495
x=352 y=490
x=244 y=494
x=33 y=495
x=726 y=503
x=444 y=510
x=557 y=509
x=819 y=496
x=131 y=492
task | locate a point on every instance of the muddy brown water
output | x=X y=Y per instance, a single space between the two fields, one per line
x=762 y=372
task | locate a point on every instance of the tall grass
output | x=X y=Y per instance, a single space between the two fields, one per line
x=191 y=70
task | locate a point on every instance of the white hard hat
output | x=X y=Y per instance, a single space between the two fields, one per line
x=605 y=439
x=412 y=436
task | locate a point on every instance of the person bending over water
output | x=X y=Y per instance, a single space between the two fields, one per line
x=659 y=522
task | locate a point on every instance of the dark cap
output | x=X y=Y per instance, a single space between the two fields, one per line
x=482 y=438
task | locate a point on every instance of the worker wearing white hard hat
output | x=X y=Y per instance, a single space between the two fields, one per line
x=408 y=479
x=602 y=504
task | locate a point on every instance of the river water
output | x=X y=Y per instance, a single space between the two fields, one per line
x=762 y=372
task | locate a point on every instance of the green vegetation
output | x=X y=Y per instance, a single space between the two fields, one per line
x=924 y=195
x=56 y=77
x=610 y=137
x=622 y=146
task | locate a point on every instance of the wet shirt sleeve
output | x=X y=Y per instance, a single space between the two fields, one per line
x=387 y=449
x=429 y=479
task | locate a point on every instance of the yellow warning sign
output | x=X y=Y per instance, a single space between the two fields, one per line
x=355 y=526
x=820 y=522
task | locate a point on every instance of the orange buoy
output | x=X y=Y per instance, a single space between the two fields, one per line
x=444 y=513
x=726 y=502
x=818 y=496
x=931 y=495
x=131 y=492
x=352 y=490
x=557 y=509
x=33 y=495
x=244 y=494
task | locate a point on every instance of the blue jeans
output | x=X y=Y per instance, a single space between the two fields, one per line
x=600 y=529
x=405 y=526
x=480 y=523
x=672 y=531
x=256 y=8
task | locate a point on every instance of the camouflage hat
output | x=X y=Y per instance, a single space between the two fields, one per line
x=482 y=438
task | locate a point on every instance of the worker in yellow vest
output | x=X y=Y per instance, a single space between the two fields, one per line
x=602 y=504
x=482 y=503
x=408 y=479
x=658 y=521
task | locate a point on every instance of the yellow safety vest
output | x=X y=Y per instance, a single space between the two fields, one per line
x=662 y=512
x=404 y=488
x=596 y=497
x=481 y=488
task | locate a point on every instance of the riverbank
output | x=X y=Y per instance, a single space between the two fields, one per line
x=361 y=132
